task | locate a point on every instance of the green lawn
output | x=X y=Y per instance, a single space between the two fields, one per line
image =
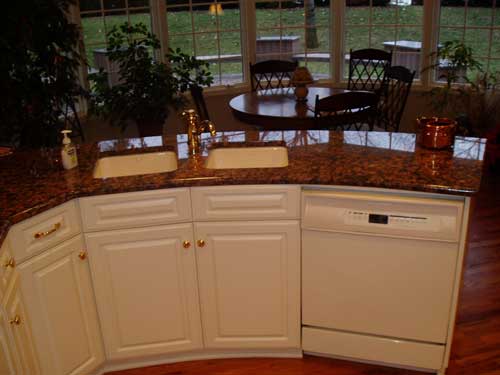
x=357 y=35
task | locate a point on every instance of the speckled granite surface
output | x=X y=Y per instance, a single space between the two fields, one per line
x=33 y=182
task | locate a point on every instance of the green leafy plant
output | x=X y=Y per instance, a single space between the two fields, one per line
x=458 y=59
x=188 y=70
x=38 y=71
x=146 y=88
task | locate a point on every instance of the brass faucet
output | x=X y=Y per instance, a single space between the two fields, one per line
x=194 y=129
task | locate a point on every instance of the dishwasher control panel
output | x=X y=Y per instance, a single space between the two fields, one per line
x=394 y=220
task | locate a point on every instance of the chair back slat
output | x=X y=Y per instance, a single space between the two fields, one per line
x=271 y=74
x=349 y=110
x=393 y=97
x=367 y=68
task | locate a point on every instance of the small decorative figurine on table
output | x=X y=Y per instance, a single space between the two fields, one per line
x=300 y=79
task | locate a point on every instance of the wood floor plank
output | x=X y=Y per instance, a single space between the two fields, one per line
x=476 y=343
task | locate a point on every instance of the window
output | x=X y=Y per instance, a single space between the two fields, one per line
x=97 y=19
x=477 y=24
x=302 y=30
x=294 y=30
x=389 y=25
x=211 y=31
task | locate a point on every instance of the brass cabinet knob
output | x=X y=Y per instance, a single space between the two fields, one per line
x=186 y=244
x=82 y=255
x=201 y=243
x=16 y=320
x=10 y=263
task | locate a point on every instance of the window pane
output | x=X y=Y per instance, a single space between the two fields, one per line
x=394 y=25
x=476 y=24
x=97 y=20
x=295 y=30
x=210 y=30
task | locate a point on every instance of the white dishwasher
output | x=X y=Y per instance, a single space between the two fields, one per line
x=379 y=276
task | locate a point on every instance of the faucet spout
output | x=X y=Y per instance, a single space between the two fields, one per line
x=210 y=126
x=194 y=129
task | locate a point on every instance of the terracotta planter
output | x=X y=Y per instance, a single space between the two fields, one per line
x=436 y=133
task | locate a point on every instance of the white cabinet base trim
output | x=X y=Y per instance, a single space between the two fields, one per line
x=198 y=356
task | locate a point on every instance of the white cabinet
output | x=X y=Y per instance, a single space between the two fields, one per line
x=146 y=289
x=22 y=340
x=57 y=289
x=249 y=279
x=8 y=365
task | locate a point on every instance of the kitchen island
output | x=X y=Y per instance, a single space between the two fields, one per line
x=252 y=225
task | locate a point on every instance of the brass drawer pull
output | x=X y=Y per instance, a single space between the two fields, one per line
x=10 y=263
x=186 y=244
x=16 y=320
x=50 y=231
x=201 y=243
x=82 y=255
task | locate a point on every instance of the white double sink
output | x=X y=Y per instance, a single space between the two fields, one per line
x=218 y=158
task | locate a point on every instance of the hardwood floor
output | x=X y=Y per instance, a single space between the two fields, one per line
x=476 y=343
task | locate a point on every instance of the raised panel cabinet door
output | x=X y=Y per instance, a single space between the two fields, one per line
x=57 y=289
x=23 y=347
x=9 y=365
x=146 y=289
x=249 y=281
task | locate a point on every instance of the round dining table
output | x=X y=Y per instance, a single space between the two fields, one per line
x=278 y=109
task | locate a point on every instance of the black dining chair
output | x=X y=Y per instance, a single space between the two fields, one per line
x=199 y=102
x=367 y=68
x=272 y=74
x=354 y=110
x=393 y=96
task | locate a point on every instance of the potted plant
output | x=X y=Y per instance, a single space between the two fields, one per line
x=454 y=59
x=188 y=70
x=38 y=72
x=146 y=88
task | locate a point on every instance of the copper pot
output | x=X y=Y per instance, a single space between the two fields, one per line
x=435 y=132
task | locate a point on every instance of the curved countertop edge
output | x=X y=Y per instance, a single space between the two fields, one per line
x=315 y=169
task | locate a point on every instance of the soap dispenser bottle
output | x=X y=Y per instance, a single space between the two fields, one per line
x=68 y=152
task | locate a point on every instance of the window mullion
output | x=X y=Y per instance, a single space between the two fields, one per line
x=337 y=17
x=159 y=26
x=248 y=37
x=430 y=39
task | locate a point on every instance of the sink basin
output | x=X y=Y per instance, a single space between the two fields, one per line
x=130 y=165
x=247 y=157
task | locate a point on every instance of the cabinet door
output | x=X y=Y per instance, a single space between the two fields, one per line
x=249 y=281
x=8 y=363
x=146 y=290
x=20 y=331
x=59 y=297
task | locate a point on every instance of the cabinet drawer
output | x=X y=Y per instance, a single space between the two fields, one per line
x=129 y=210
x=246 y=202
x=45 y=230
x=7 y=265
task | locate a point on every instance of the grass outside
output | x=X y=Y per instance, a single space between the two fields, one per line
x=358 y=35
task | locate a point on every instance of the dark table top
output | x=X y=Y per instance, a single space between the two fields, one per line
x=277 y=109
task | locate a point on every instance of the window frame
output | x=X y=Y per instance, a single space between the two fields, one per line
x=430 y=37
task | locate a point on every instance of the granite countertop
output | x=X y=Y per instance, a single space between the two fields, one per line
x=33 y=182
